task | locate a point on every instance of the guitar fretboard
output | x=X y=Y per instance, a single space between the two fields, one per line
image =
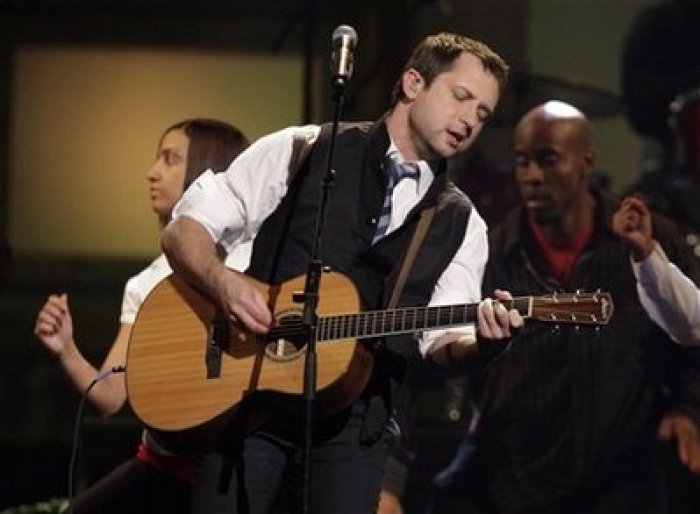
x=406 y=320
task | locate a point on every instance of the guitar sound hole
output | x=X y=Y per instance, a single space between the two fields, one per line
x=286 y=341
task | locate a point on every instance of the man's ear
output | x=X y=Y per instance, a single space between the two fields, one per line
x=412 y=83
x=590 y=157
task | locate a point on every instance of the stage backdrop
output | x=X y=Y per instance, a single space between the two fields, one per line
x=85 y=125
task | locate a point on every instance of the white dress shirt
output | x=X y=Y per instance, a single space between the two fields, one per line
x=232 y=206
x=670 y=298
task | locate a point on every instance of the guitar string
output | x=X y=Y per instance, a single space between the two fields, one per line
x=399 y=321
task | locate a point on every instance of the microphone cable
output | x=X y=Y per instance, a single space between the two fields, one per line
x=76 y=432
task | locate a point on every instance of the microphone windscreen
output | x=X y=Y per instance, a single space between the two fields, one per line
x=344 y=30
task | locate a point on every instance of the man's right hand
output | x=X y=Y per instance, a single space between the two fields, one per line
x=244 y=302
x=191 y=252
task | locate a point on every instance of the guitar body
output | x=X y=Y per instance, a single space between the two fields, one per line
x=186 y=365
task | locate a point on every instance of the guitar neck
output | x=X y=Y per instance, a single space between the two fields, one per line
x=570 y=308
x=407 y=320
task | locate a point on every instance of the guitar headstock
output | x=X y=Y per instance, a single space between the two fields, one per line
x=574 y=308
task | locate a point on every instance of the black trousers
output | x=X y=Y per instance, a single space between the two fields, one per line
x=135 y=487
x=463 y=488
x=263 y=474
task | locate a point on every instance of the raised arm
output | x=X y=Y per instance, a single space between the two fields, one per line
x=670 y=298
x=54 y=328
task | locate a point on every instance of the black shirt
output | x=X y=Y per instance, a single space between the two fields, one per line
x=570 y=413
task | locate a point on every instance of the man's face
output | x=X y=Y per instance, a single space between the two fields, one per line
x=446 y=117
x=552 y=166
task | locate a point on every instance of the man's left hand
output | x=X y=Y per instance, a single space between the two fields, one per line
x=496 y=322
x=389 y=503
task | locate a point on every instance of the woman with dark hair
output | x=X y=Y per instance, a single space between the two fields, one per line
x=155 y=479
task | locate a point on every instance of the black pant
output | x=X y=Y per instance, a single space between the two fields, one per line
x=135 y=487
x=464 y=488
x=263 y=474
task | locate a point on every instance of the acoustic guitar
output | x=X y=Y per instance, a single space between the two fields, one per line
x=187 y=365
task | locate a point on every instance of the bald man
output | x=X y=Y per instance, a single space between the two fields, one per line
x=570 y=416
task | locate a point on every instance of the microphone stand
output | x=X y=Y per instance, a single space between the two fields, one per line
x=311 y=297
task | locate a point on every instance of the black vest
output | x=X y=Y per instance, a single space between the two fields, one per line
x=282 y=248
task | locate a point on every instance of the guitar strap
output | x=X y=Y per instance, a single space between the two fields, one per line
x=302 y=144
x=426 y=216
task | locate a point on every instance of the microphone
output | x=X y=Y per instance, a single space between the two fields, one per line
x=344 y=41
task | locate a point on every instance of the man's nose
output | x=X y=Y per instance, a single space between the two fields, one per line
x=531 y=172
x=469 y=117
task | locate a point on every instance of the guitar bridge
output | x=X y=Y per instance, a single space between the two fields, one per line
x=218 y=339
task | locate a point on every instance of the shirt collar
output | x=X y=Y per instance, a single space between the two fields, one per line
x=425 y=170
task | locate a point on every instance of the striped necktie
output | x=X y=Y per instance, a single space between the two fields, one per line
x=396 y=171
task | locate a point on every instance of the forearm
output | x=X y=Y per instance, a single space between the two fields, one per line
x=467 y=353
x=459 y=284
x=192 y=253
x=452 y=348
x=670 y=298
x=81 y=374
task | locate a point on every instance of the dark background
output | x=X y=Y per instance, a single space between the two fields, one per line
x=37 y=404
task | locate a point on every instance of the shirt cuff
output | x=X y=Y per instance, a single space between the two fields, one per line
x=648 y=271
